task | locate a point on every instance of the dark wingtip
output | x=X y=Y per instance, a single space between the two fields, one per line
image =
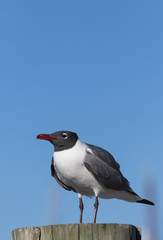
x=145 y=201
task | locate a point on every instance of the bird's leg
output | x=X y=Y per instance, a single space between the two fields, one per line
x=81 y=206
x=96 y=208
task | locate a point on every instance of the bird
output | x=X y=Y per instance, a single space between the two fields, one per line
x=88 y=170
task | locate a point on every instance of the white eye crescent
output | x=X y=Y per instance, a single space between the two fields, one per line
x=64 y=135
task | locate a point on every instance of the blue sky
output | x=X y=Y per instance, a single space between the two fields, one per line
x=93 y=67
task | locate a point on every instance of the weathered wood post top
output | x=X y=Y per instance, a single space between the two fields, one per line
x=88 y=231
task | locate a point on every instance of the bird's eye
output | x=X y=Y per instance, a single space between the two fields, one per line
x=64 y=135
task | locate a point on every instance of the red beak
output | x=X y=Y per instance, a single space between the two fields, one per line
x=45 y=137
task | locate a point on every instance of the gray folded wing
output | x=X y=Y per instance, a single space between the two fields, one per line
x=104 y=155
x=105 y=169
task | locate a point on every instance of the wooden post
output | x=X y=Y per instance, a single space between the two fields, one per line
x=88 y=231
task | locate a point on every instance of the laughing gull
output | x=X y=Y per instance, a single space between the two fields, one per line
x=88 y=170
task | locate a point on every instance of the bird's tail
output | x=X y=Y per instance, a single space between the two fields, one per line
x=145 y=201
x=139 y=199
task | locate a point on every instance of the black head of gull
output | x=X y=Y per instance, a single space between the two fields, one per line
x=61 y=140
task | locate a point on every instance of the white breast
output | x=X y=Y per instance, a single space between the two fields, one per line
x=68 y=161
x=71 y=170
